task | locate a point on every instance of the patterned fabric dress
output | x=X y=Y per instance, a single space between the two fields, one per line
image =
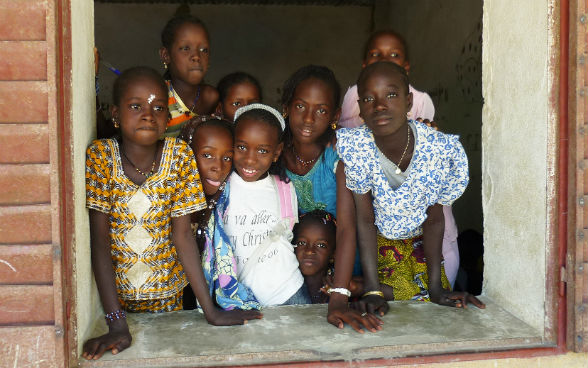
x=149 y=277
x=180 y=114
x=317 y=189
x=438 y=174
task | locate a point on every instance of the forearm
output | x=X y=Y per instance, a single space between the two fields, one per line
x=367 y=238
x=433 y=229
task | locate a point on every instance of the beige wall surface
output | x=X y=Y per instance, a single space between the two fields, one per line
x=516 y=156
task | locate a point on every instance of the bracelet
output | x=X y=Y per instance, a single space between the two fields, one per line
x=373 y=292
x=343 y=291
x=116 y=315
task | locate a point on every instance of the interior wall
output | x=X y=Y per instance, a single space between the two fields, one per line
x=270 y=42
x=517 y=138
x=445 y=49
x=84 y=130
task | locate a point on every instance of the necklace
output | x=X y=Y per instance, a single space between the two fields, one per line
x=136 y=168
x=303 y=162
x=398 y=171
x=177 y=97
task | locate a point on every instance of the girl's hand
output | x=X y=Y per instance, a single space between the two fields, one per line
x=429 y=123
x=340 y=313
x=117 y=339
x=234 y=317
x=372 y=304
x=458 y=299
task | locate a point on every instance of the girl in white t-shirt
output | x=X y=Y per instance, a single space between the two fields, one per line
x=262 y=210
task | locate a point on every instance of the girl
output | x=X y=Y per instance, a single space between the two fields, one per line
x=262 y=210
x=185 y=54
x=390 y=46
x=236 y=90
x=401 y=173
x=314 y=242
x=211 y=140
x=140 y=192
x=310 y=101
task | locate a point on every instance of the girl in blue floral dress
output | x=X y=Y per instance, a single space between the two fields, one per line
x=401 y=173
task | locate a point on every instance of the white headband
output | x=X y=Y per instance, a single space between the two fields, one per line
x=260 y=106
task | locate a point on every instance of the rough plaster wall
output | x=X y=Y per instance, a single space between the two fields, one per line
x=514 y=135
x=445 y=49
x=270 y=42
x=88 y=303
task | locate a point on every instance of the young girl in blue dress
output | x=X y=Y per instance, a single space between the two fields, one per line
x=185 y=54
x=140 y=191
x=401 y=174
x=262 y=210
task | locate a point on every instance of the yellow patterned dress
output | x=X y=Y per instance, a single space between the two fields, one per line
x=149 y=276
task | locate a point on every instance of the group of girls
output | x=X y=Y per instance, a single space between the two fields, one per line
x=239 y=211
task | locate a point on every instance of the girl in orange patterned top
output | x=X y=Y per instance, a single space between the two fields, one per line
x=141 y=191
x=185 y=53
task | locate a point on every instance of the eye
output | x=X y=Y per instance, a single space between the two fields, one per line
x=300 y=243
x=227 y=158
x=236 y=104
x=320 y=245
x=203 y=50
x=394 y=54
x=367 y=99
x=392 y=95
x=184 y=48
x=206 y=155
x=263 y=151
x=241 y=147
x=321 y=111
x=135 y=106
x=299 y=106
x=159 y=108
x=374 y=54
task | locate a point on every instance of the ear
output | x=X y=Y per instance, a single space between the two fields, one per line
x=278 y=151
x=219 y=109
x=406 y=66
x=337 y=115
x=114 y=111
x=164 y=55
x=285 y=111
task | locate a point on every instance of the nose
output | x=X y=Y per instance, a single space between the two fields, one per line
x=250 y=157
x=381 y=104
x=309 y=249
x=308 y=116
x=216 y=164
x=148 y=113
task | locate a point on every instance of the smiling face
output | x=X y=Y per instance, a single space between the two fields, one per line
x=383 y=98
x=142 y=111
x=386 y=47
x=187 y=58
x=239 y=95
x=257 y=146
x=213 y=148
x=311 y=110
x=314 y=248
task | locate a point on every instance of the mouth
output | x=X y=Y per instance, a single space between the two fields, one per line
x=306 y=132
x=213 y=183
x=381 y=120
x=248 y=172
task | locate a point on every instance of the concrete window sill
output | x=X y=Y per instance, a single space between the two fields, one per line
x=302 y=334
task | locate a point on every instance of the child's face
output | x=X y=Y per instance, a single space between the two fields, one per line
x=257 y=146
x=213 y=148
x=386 y=47
x=311 y=111
x=187 y=58
x=142 y=111
x=314 y=249
x=383 y=100
x=239 y=95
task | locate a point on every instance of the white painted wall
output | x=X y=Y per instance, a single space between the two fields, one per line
x=516 y=155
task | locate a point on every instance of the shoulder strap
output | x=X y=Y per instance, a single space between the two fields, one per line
x=285 y=200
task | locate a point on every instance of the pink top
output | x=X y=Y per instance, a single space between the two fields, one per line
x=422 y=107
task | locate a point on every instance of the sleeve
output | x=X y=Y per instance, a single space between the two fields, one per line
x=189 y=195
x=422 y=105
x=455 y=163
x=351 y=148
x=98 y=171
x=428 y=111
x=350 y=109
x=332 y=158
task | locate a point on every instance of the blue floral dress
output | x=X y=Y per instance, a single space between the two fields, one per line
x=438 y=174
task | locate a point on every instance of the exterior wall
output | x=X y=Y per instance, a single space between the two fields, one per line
x=517 y=152
x=31 y=332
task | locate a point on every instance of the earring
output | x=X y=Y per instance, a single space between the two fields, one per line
x=284 y=114
x=164 y=65
x=115 y=122
x=334 y=125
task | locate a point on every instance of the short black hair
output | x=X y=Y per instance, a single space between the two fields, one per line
x=189 y=129
x=391 y=68
x=132 y=74
x=321 y=73
x=229 y=80
x=320 y=217
x=270 y=119
x=389 y=32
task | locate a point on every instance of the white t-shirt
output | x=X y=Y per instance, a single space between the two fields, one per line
x=252 y=214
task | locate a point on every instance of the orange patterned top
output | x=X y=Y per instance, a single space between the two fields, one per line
x=145 y=261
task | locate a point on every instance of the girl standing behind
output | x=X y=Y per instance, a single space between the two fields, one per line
x=185 y=54
x=262 y=210
x=401 y=174
x=211 y=140
x=236 y=90
x=141 y=191
x=314 y=240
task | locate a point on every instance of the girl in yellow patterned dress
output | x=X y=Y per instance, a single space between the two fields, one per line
x=141 y=191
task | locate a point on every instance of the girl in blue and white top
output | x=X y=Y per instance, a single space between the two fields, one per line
x=401 y=174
